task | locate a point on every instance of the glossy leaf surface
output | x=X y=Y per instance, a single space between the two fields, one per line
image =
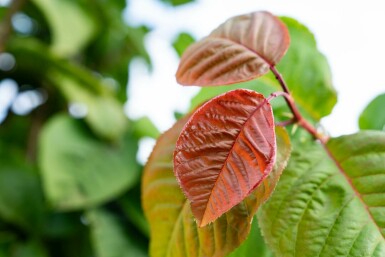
x=226 y=150
x=242 y=48
x=78 y=171
x=373 y=116
x=174 y=231
x=326 y=207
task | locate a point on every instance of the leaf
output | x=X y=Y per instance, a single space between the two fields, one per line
x=72 y=27
x=373 y=116
x=224 y=152
x=330 y=204
x=79 y=171
x=144 y=127
x=21 y=197
x=109 y=238
x=242 y=48
x=131 y=205
x=105 y=113
x=178 y=2
x=262 y=85
x=174 y=231
x=307 y=73
x=253 y=244
x=181 y=43
x=28 y=249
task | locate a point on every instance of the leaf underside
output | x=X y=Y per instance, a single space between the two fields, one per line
x=241 y=49
x=226 y=150
x=174 y=231
x=330 y=204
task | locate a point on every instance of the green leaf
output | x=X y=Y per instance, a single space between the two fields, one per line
x=78 y=170
x=21 y=197
x=174 y=231
x=29 y=249
x=144 y=127
x=253 y=244
x=131 y=205
x=105 y=113
x=177 y=2
x=373 y=117
x=116 y=44
x=182 y=42
x=307 y=73
x=72 y=26
x=109 y=238
x=330 y=204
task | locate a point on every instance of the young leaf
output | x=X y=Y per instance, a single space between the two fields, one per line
x=373 y=117
x=330 y=204
x=224 y=152
x=242 y=48
x=174 y=231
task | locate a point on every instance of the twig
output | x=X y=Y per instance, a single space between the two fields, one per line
x=298 y=118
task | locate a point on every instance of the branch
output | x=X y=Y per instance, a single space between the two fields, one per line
x=6 y=23
x=298 y=118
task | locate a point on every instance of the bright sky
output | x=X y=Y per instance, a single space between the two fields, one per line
x=349 y=33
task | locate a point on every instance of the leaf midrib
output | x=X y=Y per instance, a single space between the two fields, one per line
x=355 y=190
x=264 y=101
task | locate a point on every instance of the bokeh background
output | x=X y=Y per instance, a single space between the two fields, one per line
x=86 y=87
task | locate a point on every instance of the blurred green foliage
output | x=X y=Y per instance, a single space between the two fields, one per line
x=69 y=177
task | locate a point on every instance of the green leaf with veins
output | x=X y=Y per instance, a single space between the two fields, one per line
x=330 y=202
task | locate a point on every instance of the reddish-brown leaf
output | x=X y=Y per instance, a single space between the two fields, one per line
x=226 y=150
x=241 y=49
x=174 y=232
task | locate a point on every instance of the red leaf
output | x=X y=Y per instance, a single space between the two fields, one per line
x=226 y=150
x=242 y=48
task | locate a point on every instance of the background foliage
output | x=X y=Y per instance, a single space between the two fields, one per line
x=69 y=177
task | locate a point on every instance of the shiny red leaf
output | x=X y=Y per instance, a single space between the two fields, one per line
x=225 y=150
x=174 y=231
x=241 y=49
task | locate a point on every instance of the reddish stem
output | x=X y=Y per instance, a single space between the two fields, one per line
x=298 y=118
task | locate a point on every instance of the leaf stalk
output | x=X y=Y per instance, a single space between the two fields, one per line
x=298 y=118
